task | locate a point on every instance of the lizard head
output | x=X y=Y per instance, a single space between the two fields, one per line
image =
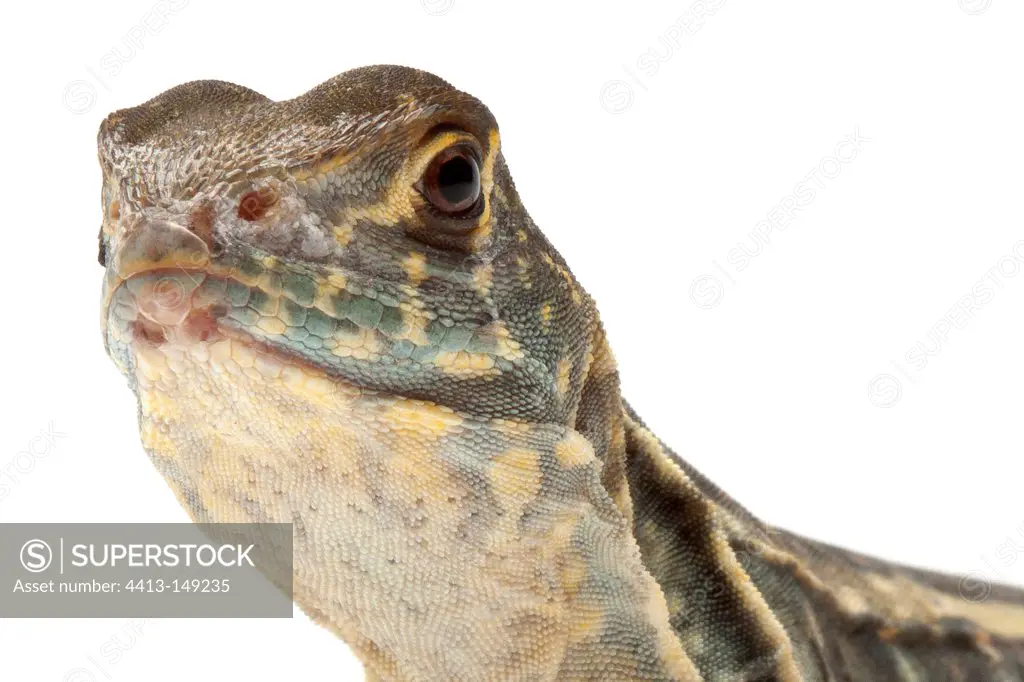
x=368 y=228
x=336 y=313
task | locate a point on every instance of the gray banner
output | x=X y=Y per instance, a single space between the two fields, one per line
x=126 y=570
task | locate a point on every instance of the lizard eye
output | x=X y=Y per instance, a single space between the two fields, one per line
x=451 y=182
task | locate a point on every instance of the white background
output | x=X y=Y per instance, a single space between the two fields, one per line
x=645 y=181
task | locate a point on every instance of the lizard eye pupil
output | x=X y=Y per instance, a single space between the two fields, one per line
x=452 y=181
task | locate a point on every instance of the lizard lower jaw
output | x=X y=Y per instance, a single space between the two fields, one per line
x=167 y=308
x=174 y=311
x=163 y=306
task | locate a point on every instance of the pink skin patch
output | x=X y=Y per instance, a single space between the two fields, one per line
x=170 y=312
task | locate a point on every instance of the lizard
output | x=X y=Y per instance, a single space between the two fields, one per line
x=336 y=312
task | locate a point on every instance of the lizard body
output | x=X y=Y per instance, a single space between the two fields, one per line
x=335 y=312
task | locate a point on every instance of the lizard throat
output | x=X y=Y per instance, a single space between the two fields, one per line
x=408 y=516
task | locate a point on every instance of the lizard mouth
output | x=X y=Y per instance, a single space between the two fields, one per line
x=163 y=291
x=178 y=313
x=162 y=307
x=168 y=306
x=149 y=292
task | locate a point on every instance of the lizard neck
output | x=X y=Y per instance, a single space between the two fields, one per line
x=685 y=539
x=696 y=543
x=600 y=417
x=437 y=545
x=547 y=583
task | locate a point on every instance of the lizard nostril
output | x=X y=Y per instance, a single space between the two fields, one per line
x=255 y=204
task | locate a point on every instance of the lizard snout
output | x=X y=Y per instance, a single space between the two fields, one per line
x=155 y=270
x=159 y=244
